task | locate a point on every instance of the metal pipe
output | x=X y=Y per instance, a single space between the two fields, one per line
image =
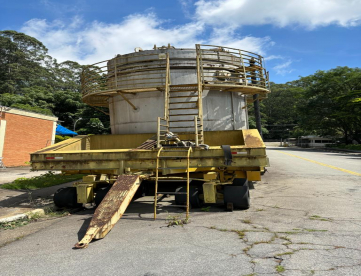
x=257 y=112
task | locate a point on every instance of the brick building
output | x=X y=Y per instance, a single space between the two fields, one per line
x=23 y=132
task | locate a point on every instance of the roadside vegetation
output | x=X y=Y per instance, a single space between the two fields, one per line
x=37 y=182
x=348 y=147
x=327 y=103
x=50 y=213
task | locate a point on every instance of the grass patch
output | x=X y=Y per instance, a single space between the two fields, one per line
x=14 y=224
x=37 y=182
x=240 y=233
x=314 y=217
x=176 y=221
x=247 y=221
x=54 y=213
x=285 y=253
x=206 y=209
x=259 y=210
x=280 y=268
x=285 y=238
x=314 y=230
x=49 y=213
x=259 y=242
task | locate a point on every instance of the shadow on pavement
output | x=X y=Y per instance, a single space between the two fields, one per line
x=137 y=209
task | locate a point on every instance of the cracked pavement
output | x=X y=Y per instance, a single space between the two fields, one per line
x=305 y=219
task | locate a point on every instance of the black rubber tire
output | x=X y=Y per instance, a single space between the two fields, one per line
x=194 y=200
x=238 y=195
x=100 y=194
x=66 y=198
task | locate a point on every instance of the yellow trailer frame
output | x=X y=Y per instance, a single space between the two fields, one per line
x=117 y=160
x=115 y=154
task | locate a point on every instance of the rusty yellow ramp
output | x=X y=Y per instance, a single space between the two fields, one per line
x=111 y=209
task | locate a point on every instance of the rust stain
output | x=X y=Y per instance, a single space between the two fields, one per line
x=112 y=201
x=252 y=139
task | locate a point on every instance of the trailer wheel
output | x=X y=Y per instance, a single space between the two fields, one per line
x=237 y=195
x=66 y=197
x=100 y=194
x=194 y=200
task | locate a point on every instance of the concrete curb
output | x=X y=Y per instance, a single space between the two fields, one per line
x=38 y=211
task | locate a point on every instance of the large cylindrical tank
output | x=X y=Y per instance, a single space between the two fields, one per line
x=222 y=111
x=140 y=70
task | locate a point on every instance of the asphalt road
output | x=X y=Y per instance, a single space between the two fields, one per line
x=305 y=219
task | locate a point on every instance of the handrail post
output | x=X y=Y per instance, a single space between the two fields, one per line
x=166 y=90
x=244 y=69
x=196 y=130
x=200 y=89
x=116 y=74
x=158 y=133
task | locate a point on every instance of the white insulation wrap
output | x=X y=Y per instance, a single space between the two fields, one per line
x=222 y=111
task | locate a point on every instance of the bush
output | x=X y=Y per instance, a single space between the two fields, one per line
x=59 y=138
x=349 y=147
x=36 y=109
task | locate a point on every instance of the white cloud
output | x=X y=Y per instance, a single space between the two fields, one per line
x=283 y=68
x=185 y=4
x=271 y=57
x=307 y=13
x=97 y=41
x=229 y=38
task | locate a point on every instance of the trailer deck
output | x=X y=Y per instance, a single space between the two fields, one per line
x=112 y=154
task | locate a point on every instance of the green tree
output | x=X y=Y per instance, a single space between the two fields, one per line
x=21 y=59
x=280 y=109
x=32 y=80
x=331 y=102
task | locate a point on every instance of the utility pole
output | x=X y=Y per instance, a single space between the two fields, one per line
x=76 y=122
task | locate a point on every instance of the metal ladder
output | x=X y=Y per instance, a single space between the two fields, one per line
x=163 y=122
x=183 y=110
x=162 y=156
x=185 y=113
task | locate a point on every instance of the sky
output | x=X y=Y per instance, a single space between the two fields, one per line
x=296 y=37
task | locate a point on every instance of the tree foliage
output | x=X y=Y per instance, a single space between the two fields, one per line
x=30 y=79
x=332 y=102
x=326 y=103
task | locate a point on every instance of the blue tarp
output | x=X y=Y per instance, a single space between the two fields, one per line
x=60 y=130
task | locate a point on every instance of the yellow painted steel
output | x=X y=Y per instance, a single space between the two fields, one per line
x=111 y=209
x=254 y=175
x=210 y=192
x=241 y=174
x=89 y=178
x=210 y=176
x=156 y=184
x=105 y=154
x=188 y=155
x=85 y=193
